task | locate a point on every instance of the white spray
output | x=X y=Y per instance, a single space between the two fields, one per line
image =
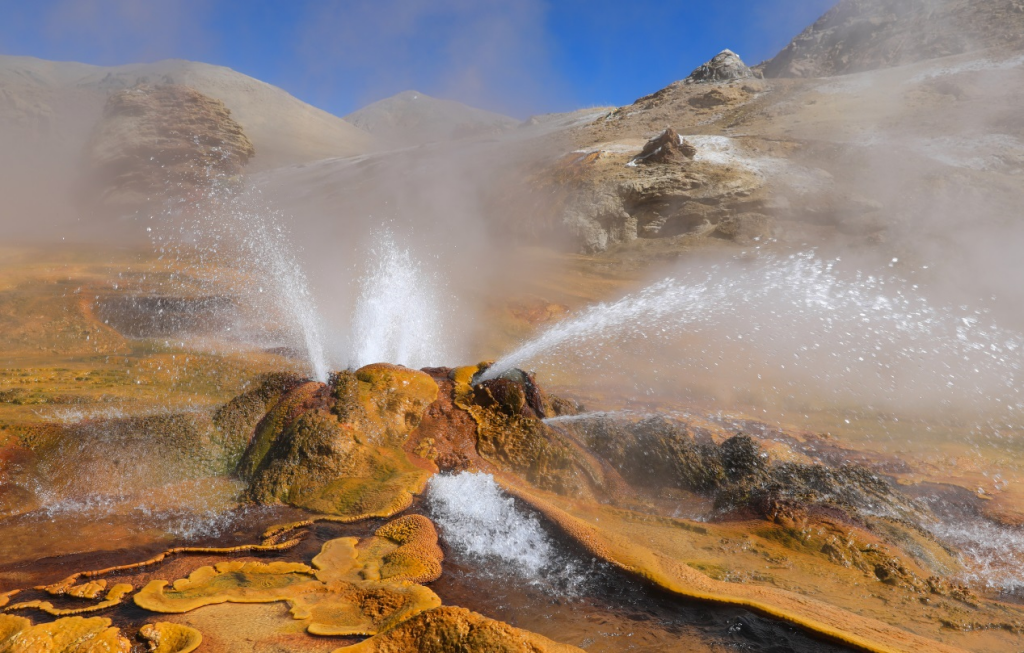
x=399 y=316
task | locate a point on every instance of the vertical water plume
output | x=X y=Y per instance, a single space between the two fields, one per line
x=398 y=316
x=274 y=262
x=231 y=241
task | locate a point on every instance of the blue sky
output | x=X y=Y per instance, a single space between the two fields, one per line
x=519 y=57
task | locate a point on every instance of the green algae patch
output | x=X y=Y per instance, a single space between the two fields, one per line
x=382 y=482
x=236 y=420
x=272 y=424
x=164 y=637
x=446 y=629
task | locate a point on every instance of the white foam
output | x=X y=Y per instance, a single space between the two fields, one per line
x=479 y=520
x=993 y=554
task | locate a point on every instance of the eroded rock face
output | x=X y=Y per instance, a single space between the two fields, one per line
x=160 y=143
x=666 y=200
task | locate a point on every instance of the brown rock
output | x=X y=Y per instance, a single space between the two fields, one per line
x=666 y=147
x=159 y=143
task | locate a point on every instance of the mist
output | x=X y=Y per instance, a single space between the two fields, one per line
x=936 y=197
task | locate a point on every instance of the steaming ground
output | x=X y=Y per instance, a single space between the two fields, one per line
x=880 y=304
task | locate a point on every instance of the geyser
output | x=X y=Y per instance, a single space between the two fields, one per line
x=399 y=315
x=235 y=235
x=800 y=325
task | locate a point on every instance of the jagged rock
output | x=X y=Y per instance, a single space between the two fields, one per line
x=666 y=147
x=159 y=143
x=603 y=206
x=725 y=66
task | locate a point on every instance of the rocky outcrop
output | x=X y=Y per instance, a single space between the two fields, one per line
x=670 y=191
x=859 y=35
x=667 y=147
x=336 y=448
x=160 y=143
x=725 y=66
x=738 y=473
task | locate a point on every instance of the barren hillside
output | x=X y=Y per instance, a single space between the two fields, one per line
x=412 y=118
x=859 y=35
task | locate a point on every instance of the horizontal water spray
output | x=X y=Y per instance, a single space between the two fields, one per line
x=661 y=306
x=800 y=325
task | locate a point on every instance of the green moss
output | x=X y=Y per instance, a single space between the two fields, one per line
x=336 y=450
x=236 y=421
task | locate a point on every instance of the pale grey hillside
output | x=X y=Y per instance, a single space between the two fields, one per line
x=412 y=118
x=53 y=105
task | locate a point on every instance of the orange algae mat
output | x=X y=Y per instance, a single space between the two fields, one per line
x=616 y=541
x=371 y=416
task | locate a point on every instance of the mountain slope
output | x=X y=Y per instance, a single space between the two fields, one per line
x=860 y=35
x=55 y=104
x=413 y=118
